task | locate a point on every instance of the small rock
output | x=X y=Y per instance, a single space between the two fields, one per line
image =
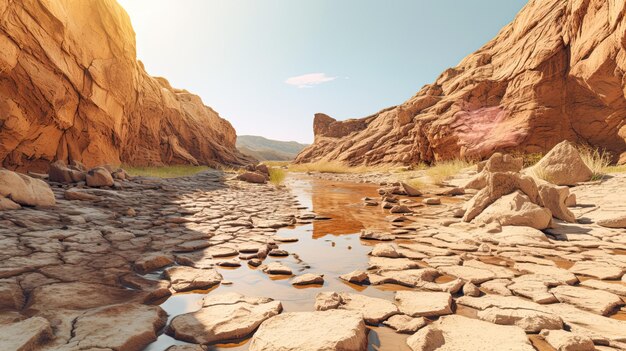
x=562 y=340
x=277 y=268
x=432 y=201
x=469 y=289
x=356 y=277
x=188 y=278
x=307 y=279
x=424 y=303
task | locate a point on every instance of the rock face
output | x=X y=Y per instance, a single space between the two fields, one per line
x=72 y=89
x=553 y=74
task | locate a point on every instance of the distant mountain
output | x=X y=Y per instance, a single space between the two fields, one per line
x=265 y=149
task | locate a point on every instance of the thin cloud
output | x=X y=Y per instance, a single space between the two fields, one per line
x=309 y=80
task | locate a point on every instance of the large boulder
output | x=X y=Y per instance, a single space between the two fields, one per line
x=59 y=172
x=312 y=331
x=563 y=166
x=253 y=177
x=99 y=177
x=25 y=190
x=498 y=185
x=516 y=209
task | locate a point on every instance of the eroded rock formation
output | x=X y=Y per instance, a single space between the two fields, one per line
x=72 y=89
x=555 y=73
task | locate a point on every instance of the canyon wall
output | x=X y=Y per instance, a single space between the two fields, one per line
x=71 y=88
x=555 y=73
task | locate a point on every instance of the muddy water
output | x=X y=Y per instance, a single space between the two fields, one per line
x=329 y=247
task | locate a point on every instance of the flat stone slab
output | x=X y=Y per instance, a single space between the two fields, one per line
x=223 y=318
x=600 y=302
x=308 y=279
x=28 y=334
x=424 y=303
x=613 y=287
x=277 y=268
x=312 y=331
x=593 y=325
x=405 y=324
x=472 y=274
x=455 y=333
x=566 y=341
x=597 y=269
x=532 y=321
x=118 y=327
x=563 y=276
x=374 y=310
x=187 y=278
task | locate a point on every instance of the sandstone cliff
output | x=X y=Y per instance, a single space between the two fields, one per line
x=71 y=88
x=555 y=73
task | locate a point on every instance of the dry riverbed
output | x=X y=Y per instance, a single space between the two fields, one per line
x=154 y=264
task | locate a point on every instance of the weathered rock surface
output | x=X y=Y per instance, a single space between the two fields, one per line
x=24 y=190
x=453 y=333
x=73 y=90
x=563 y=166
x=25 y=335
x=101 y=328
x=405 y=324
x=553 y=74
x=374 y=310
x=223 y=317
x=188 y=278
x=312 y=331
x=562 y=340
x=601 y=302
x=424 y=303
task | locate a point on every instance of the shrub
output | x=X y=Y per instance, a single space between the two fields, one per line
x=277 y=176
x=442 y=171
x=597 y=161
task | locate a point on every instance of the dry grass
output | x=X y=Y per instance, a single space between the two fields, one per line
x=276 y=163
x=444 y=170
x=614 y=169
x=597 y=161
x=277 y=175
x=166 y=171
x=337 y=167
x=417 y=183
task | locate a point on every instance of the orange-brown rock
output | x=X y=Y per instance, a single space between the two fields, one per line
x=71 y=89
x=555 y=73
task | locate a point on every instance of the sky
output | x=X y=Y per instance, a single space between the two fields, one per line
x=268 y=66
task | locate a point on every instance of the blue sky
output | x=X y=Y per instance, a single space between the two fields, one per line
x=268 y=65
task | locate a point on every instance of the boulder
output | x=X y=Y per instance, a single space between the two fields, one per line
x=356 y=277
x=312 y=331
x=223 y=317
x=516 y=209
x=153 y=261
x=454 y=333
x=410 y=190
x=24 y=190
x=277 y=268
x=8 y=204
x=563 y=166
x=252 y=177
x=554 y=198
x=99 y=177
x=498 y=185
x=59 y=172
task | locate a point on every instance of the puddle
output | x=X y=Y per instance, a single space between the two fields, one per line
x=329 y=247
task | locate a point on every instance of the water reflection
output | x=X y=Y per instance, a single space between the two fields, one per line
x=329 y=247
